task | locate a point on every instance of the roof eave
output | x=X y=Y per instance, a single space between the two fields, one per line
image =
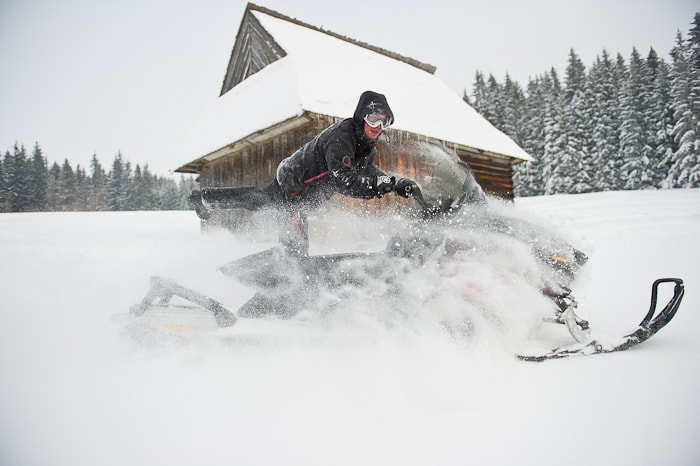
x=195 y=166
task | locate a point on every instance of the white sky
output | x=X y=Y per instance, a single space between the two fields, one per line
x=96 y=76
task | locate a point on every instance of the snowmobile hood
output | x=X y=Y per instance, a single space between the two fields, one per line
x=371 y=102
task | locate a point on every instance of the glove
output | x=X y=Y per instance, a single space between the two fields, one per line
x=405 y=187
x=385 y=184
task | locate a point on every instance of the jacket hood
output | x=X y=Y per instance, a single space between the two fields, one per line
x=371 y=102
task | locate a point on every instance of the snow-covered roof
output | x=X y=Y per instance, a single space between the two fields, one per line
x=322 y=73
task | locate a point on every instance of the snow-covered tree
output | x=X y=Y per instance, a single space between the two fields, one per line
x=98 y=179
x=634 y=152
x=512 y=109
x=52 y=195
x=17 y=181
x=685 y=90
x=527 y=177
x=602 y=95
x=659 y=120
x=117 y=187
x=578 y=162
x=4 y=198
x=39 y=179
x=67 y=188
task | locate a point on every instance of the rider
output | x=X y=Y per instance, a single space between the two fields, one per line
x=337 y=160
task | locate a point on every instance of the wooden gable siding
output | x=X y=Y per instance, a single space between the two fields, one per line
x=253 y=50
x=255 y=164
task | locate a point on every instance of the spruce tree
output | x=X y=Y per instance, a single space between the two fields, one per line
x=185 y=186
x=152 y=189
x=527 y=177
x=4 y=200
x=634 y=151
x=117 y=187
x=694 y=42
x=684 y=161
x=168 y=194
x=96 y=196
x=602 y=95
x=481 y=95
x=67 y=188
x=575 y=80
x=53 y=194
x=39 y=180
x=513 y=110
x=577 y=165
x=658 y=115
x=554 y=137
x=82 y=186
x=17 y=180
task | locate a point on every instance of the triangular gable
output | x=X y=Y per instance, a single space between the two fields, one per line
x=255 y=48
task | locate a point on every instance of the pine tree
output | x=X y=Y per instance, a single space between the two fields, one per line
x=658 y=115
x=513 y=109
x=82 y=185
x=487 y=99
x=143 y=190
x=53 y=195
x=527 y=177
x=38 y=176
x=634 y=152
x=481 y=96
x=553 y=176
x=17 y=180
x=185 y=187
x=168 y=194
x=577 y=165
x=602 y=93
x=151 y=189
x=67 y=188
x=684 y=171
x=694 y=42
x=117 y=187
x=96 y=196
x=4 y=198
x=575 y=80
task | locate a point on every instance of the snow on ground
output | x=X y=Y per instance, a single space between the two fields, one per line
x=72 y=393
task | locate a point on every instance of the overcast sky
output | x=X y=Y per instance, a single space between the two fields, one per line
x=102 y=76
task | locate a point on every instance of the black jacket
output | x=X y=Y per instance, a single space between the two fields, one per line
x=339 y=159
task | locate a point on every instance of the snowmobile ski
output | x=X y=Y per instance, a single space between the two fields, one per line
x=163 y=289
x=649 y=326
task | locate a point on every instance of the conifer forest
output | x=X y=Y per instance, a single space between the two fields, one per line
x=618 y=125
x=28 y=184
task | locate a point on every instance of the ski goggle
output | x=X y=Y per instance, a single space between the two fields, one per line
x=376 y=119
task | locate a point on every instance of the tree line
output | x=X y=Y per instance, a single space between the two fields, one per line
x=28 y=183
x=619 y=125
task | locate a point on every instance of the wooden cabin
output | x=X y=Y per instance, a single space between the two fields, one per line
x=287 y=80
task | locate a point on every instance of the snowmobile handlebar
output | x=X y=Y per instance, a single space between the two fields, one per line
x=428 y=210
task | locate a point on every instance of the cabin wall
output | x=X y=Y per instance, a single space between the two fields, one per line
x=256 y=164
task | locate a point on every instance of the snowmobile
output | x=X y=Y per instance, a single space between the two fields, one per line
x=450 y=210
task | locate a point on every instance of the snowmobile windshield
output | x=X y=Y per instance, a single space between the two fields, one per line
x=448 y=183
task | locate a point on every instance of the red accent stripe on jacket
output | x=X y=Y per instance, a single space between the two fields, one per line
x=309 y=181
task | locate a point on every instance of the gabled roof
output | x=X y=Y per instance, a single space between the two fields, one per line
x=255 y=48
x=282 y=69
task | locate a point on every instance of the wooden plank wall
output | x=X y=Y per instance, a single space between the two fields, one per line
x=256 y=164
